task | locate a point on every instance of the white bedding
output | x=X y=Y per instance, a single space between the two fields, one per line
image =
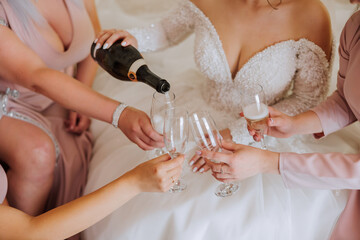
x=256 y=211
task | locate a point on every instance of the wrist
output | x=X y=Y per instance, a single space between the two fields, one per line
x=117 y=113
x=270 y=162
x=133 y=181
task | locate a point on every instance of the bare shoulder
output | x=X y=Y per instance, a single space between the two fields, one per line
x=312 y=21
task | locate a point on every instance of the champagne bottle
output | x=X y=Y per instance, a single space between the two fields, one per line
x=127 y=64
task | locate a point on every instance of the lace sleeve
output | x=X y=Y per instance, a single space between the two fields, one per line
x=311 y=80
x=170 y=30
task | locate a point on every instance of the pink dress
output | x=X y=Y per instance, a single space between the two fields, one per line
x=335 y=170
x=73 y=152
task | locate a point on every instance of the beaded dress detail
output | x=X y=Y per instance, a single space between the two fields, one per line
x=293 y=73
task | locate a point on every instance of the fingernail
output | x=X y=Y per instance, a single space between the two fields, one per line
x=201 y=170
x=95 y=41
x=96 y=48
x=106 y=46
x=123 y=43
x=198 y=152
x=271 y=120
x=191 y=163
x=195 y=169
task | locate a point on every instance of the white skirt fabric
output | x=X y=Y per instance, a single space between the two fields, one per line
x=261 y=209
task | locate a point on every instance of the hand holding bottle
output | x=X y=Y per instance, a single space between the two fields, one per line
x=107 y=38
x=136 y=125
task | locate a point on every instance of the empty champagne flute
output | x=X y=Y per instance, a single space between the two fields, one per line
x=255 y=110
x=160 y=102
x=207 y=136
x=176 y=132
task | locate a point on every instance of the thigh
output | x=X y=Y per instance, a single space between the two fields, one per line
x=22 y=140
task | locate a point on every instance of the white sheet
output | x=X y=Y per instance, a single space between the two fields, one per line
x=262 y=209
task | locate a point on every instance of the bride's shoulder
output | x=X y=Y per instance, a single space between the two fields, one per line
x=311 y=20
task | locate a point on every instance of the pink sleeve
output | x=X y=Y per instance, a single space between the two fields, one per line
x=335 y=113
x=333 y=170
x=322 y=171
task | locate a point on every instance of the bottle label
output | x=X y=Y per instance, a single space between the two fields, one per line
x=134 y=68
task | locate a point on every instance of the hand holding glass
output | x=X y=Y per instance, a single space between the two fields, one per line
x=176 y=132
x=207 y=136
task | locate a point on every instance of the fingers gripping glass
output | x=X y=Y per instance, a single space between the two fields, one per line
x=255 y=110
x=176 y=132
x=207 y=136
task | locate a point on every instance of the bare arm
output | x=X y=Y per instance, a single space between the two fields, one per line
x=152 y=176
x=31 y=72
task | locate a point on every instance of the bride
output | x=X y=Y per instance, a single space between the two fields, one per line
x=286 y=47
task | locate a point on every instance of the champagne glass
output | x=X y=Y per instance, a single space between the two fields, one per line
x=176 y=132
x=160 y=102
x=207 y=136
x=256 y=110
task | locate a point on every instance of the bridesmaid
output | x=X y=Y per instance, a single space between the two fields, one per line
x=313 y=170
x=46 y=147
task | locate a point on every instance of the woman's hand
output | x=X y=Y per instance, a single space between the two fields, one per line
x=158 y=174
x=77 y=123
x=136 y=125
x=106 y=38
x=280 y=125
x=240 y=162
x=199 y=164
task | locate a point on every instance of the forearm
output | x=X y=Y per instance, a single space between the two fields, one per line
x=76 y=216
x=269 y=162
x=77 y=97
x=306 y=123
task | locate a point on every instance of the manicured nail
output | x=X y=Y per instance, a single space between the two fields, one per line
x=96 y=48
x=95 y=41
x=191 y=163
x=198 y=152
x=201 y=170
x=123 y=43
x=106 y=46
x=272 y=121
x=195 y=169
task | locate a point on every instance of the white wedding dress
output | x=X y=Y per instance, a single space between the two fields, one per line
x=294 y=75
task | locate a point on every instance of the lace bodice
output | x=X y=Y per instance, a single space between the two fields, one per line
x=293 y=73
